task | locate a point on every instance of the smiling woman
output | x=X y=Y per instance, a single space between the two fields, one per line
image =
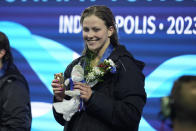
x=96 y=34
x=116 y=98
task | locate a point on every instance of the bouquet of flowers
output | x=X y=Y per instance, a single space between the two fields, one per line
x=96 y=73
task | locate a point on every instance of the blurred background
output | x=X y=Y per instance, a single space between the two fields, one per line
x=45 y=36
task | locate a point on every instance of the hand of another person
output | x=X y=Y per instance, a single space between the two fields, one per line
x=85 y=90
x=58 y=90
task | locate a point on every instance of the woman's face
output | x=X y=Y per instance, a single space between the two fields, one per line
x=95 y=33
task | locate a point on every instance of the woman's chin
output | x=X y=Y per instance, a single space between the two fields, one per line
x=93 y=49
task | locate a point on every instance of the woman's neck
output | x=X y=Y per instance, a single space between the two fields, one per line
x=100 y=54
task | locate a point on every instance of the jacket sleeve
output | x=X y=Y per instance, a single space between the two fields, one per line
x=59 y=117
x=125 y=109
x=16 y=109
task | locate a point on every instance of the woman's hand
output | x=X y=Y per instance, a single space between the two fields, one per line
x=85 y=90
x=58 y=90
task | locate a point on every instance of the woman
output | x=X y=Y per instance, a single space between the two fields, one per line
x=15 y=108
x=116 y=101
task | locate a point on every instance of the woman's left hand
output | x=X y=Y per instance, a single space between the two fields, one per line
x=85 y=90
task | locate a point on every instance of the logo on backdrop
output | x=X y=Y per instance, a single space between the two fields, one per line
x=137 y=25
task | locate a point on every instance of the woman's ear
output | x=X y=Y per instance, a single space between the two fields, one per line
x=110 y=31
x=2 y=53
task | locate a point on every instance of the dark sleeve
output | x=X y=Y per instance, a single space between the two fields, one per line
x=59 y=117
x=125 y=110
x=16 y=109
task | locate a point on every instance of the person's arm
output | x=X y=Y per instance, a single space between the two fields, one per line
x=59 y=117
x=126 y=109
x=16 y=109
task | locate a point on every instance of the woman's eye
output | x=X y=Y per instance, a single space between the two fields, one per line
x=85 y=29
x=96 y=29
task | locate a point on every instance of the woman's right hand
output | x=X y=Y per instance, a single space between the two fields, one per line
x=58 y=90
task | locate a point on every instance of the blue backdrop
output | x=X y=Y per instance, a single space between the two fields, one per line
x=45 y=37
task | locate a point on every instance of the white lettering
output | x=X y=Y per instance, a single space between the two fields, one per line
x=130 y=29
x=77 y=27
x=150 y=21
x=137 y=30
x=119 y=21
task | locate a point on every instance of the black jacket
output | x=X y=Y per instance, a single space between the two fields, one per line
x=117 y=102
x=15 y=109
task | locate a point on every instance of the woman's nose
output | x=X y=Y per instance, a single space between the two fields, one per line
x=90 y=34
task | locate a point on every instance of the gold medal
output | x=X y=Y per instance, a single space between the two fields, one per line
x=60 y=78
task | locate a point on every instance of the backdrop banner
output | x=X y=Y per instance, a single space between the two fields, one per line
x=46 y=36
